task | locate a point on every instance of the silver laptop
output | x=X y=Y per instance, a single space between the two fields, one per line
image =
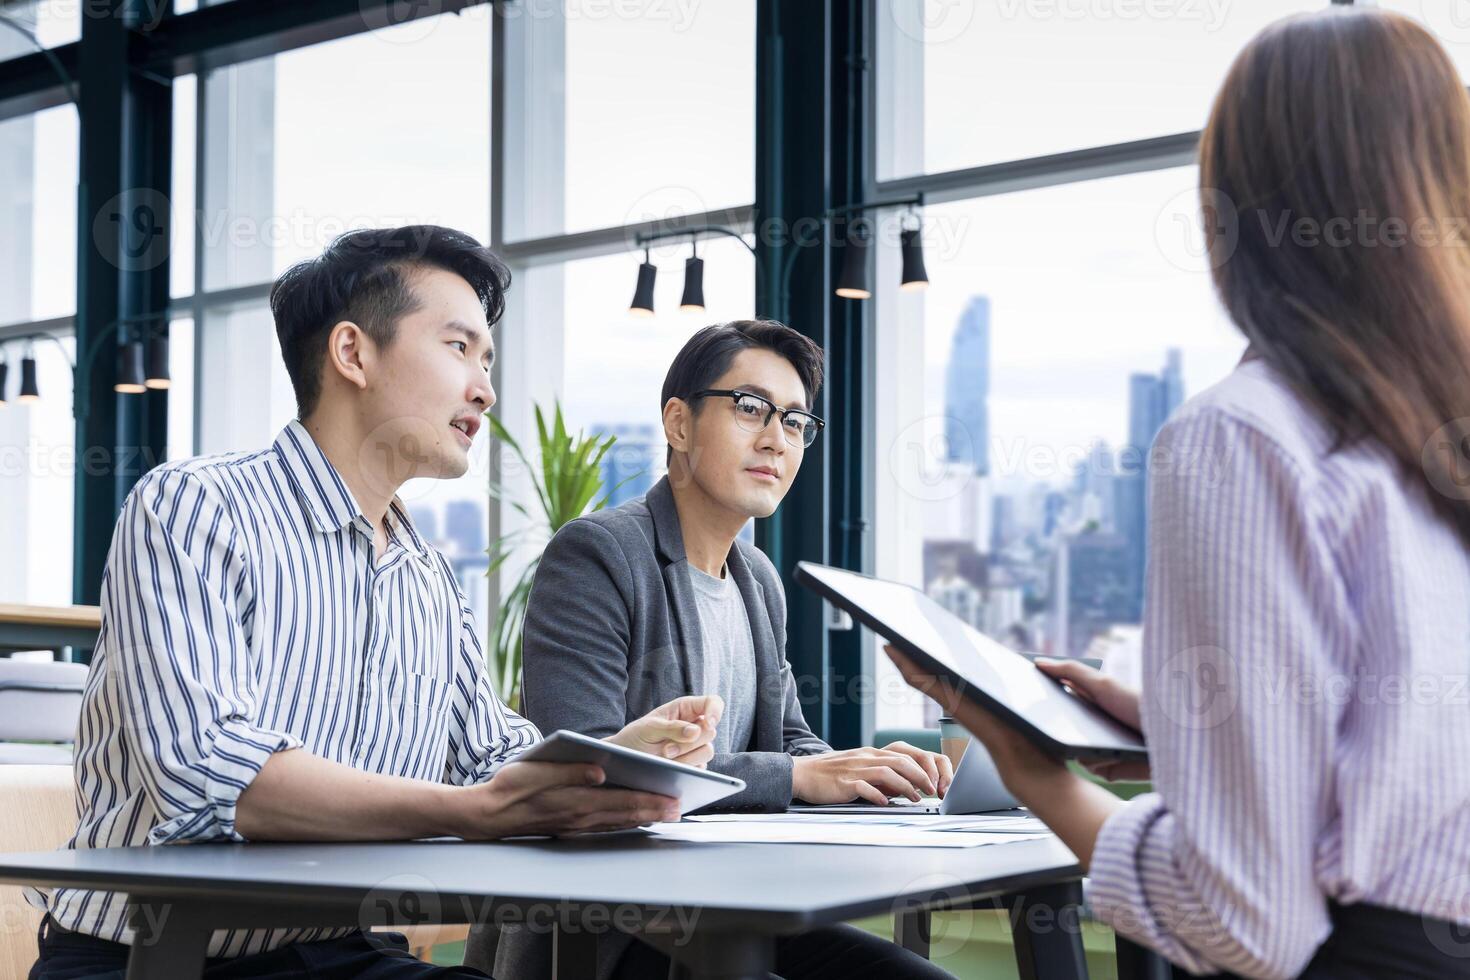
x=976 y=789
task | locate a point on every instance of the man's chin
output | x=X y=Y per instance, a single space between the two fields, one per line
x=452 y=464
x=760 y=505
x=458 y=466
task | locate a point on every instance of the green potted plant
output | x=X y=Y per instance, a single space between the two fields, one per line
x=567 y=480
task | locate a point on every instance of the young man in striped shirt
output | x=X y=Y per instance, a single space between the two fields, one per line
x=283 y=657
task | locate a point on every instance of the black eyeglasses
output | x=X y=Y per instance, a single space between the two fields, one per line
x=754 y=412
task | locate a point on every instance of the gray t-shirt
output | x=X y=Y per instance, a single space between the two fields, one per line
x=729 y=657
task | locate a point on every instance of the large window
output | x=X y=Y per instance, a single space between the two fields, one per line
x=637 y=112
x=38 y=192
x=38 y=196
x=388 y=127
x=50 y=22
x=1018 y=397
x=609 y=121
x=973 y=83
x=382 y=128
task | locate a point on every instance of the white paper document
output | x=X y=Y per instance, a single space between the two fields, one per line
x=880 y=830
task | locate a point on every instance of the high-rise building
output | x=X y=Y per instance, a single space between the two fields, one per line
x=1094 y=485
x=967 y=388
x=1005 y=605
x=1151 y=400
x=1004 y=523
x=958 y=596
x=628 y=468
x=1097 y=589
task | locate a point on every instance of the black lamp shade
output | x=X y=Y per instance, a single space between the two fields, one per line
x=4 y=375
x=693 y=284
x=130 y=369
x=157 y=362
x=852 y=283
x=28 y=390
x=914 y=274
x=642 y=304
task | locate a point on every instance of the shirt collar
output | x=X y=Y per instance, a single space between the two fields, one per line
x=404 y=531
x=326 y=497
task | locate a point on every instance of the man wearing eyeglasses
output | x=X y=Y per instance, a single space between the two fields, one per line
x=657 y=598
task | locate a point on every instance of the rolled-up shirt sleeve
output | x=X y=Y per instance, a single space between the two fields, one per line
x=187 y=691
x=484 y=733
x=1215 y=870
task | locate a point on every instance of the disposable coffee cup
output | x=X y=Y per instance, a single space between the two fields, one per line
x=954 y=738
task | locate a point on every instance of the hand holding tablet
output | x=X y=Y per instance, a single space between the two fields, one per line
x=959 y=663
x=630 y=769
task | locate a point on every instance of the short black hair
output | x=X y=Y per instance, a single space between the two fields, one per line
x=363 y=277
x=708 y=354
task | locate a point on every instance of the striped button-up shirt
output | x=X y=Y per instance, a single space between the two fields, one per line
x=244 y=612
x=1306 y=650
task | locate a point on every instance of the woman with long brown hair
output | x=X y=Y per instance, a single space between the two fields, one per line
x=1306 y=635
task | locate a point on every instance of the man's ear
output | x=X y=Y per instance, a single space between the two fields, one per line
x=349 y=353
x=678 y=424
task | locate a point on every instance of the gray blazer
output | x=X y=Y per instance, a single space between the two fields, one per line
x=612 y=632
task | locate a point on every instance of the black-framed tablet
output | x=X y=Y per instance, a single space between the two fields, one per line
x=630 y=769
x=996 y=678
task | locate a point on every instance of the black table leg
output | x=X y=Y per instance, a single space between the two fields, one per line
x=171 y=939
x=1137 y=962
x=911 y=930
x=573 y=954
x=1046 y=926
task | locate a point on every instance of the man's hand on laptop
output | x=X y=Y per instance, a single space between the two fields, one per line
x=875 y=775
x=681 y=730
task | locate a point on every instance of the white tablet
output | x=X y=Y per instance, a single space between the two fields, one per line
x=996 y=678
x=630 y=769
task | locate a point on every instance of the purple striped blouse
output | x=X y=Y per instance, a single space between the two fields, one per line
x=1306 y=679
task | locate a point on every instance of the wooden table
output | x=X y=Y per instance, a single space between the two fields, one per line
x=62 y=629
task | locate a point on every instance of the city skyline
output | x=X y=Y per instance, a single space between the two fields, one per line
x=1048 y=564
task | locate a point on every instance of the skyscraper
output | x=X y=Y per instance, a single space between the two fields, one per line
x=1151 y=400
x=967 y=388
